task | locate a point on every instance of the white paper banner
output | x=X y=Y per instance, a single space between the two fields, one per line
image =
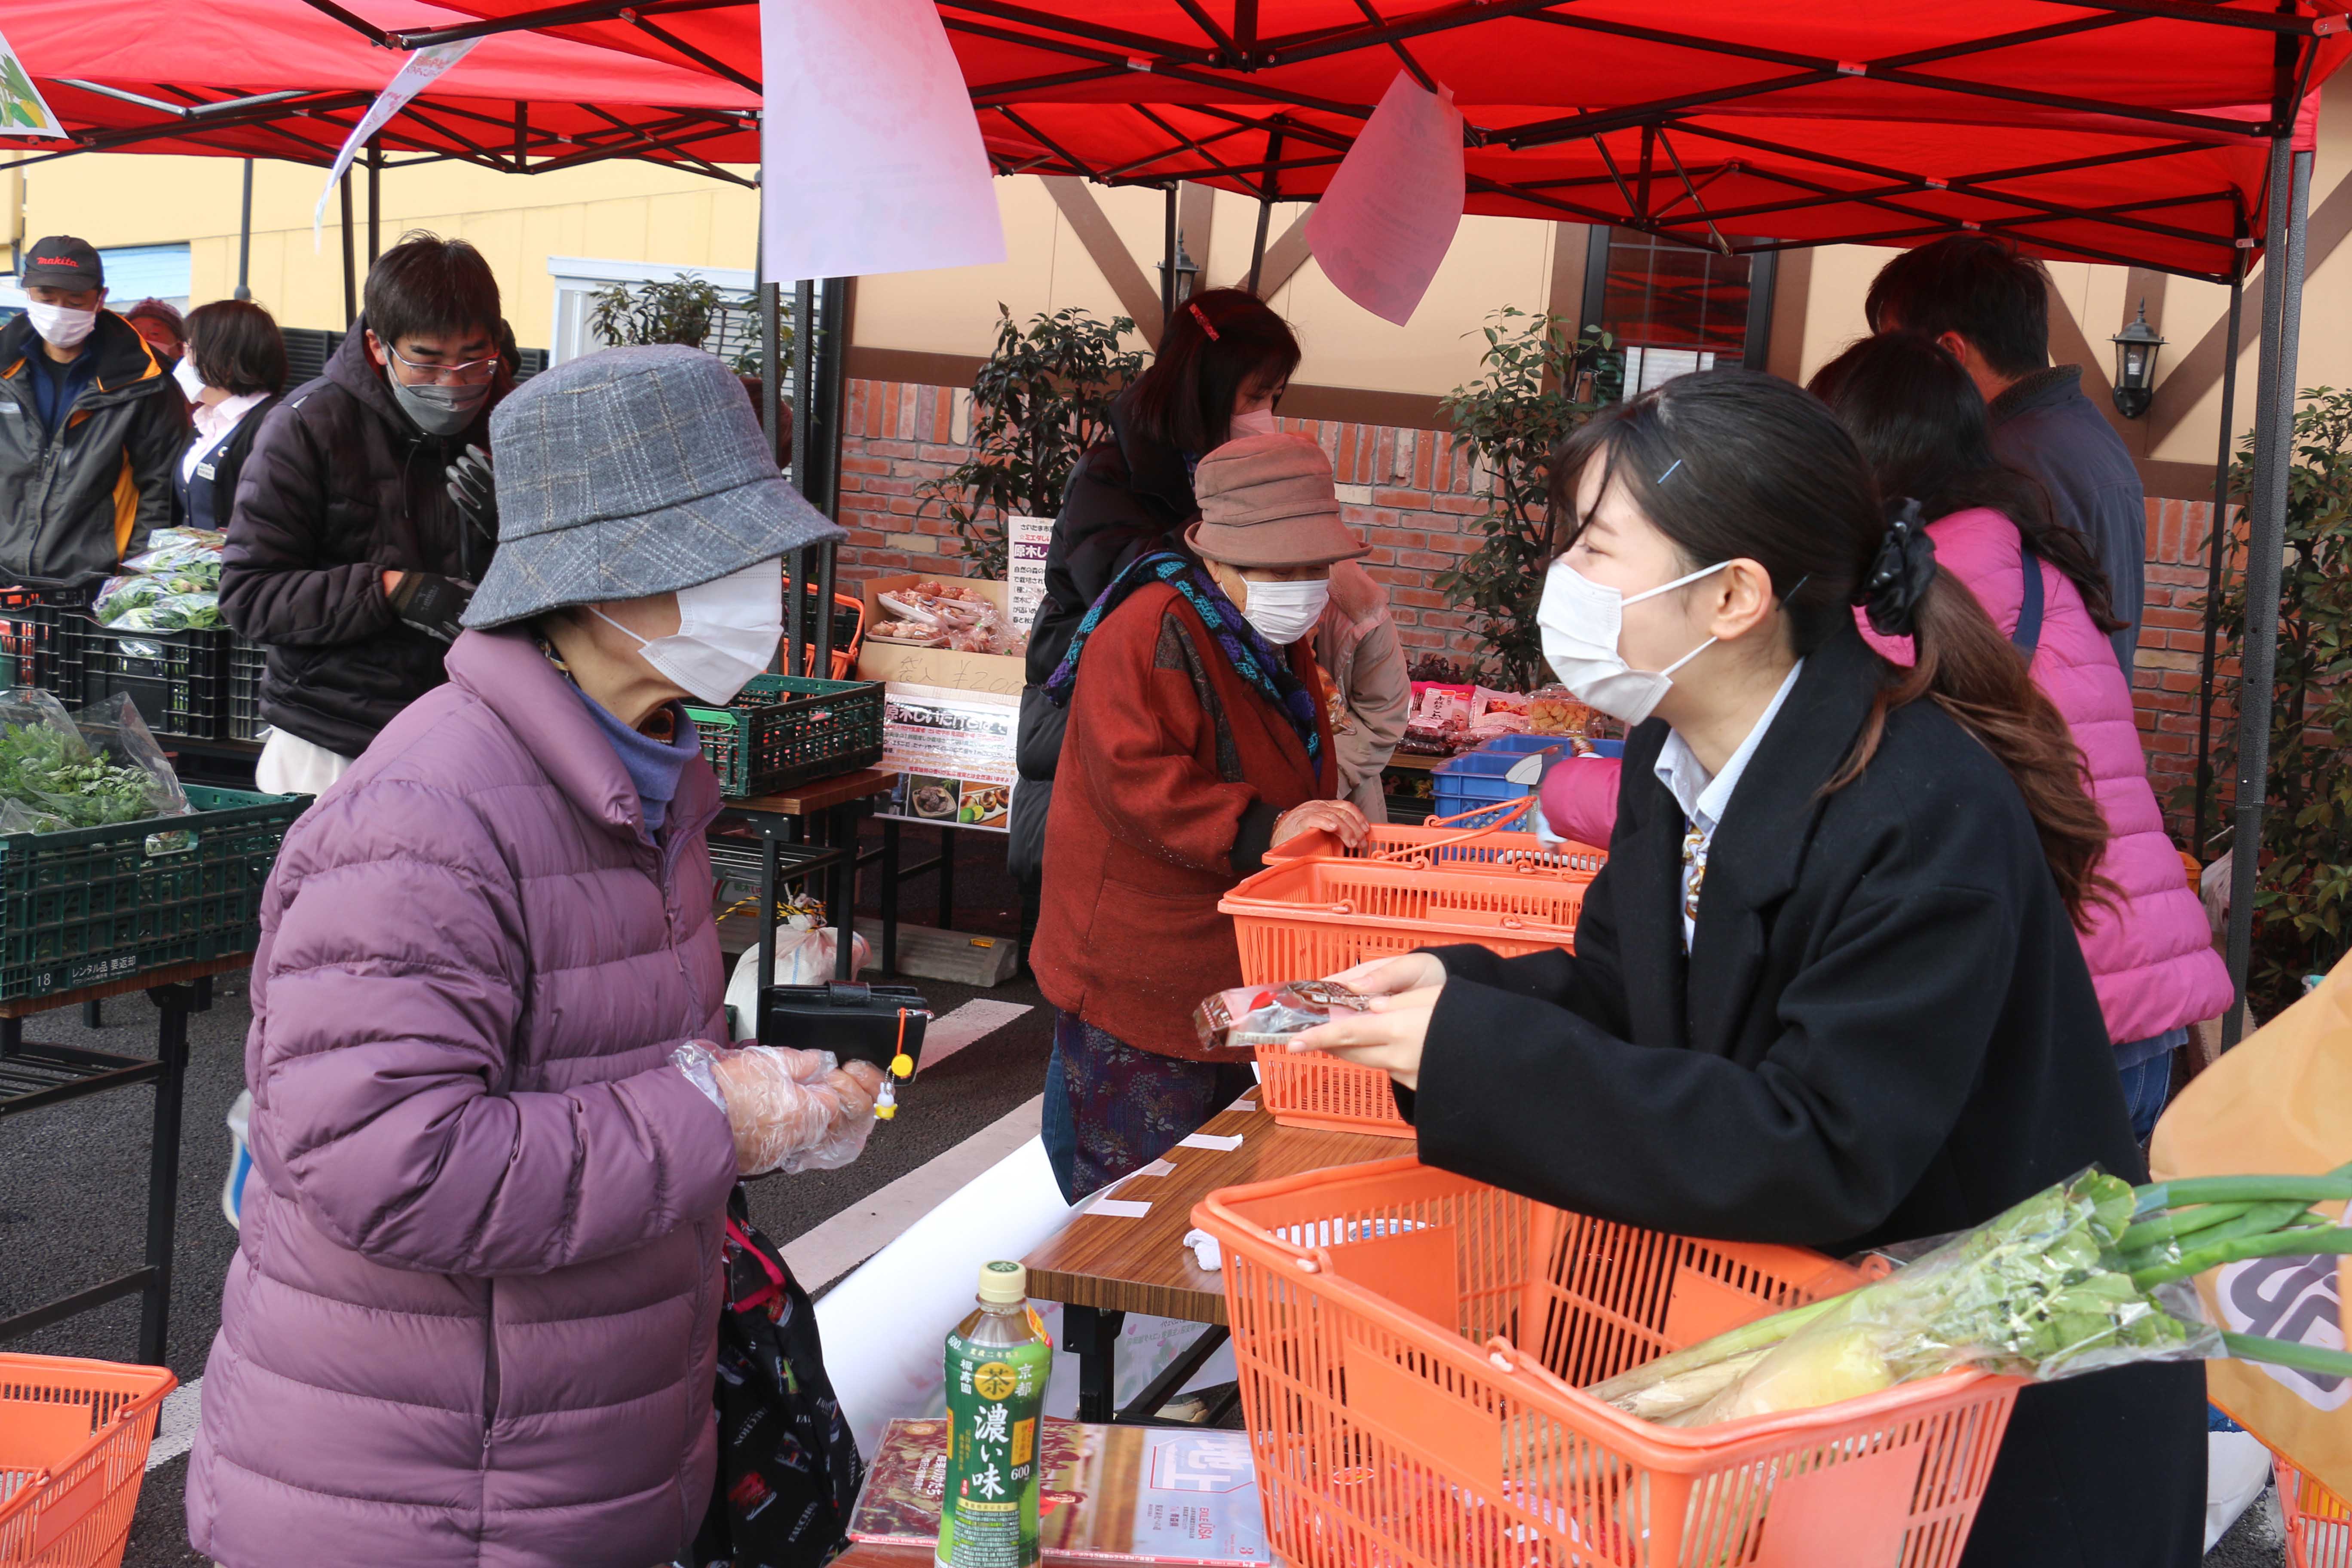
x=23 y=112
x=1026 y=541
x=1388 y=216
x=872 y=159
x=421 y=70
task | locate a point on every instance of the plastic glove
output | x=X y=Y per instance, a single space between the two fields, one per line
x=790 y=1111
x=472 y=487
x=432 y=603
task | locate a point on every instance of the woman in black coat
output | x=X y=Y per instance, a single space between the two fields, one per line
x=1222 y=365
x=1825 y=992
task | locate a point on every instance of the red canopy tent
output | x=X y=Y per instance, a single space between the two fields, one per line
x=187 y=77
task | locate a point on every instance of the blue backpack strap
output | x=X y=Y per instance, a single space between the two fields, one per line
x=2028 y=635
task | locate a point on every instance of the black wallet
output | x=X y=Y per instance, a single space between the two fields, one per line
x=855 y=1022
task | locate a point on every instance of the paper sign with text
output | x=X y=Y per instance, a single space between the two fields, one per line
x=1388 y=219
x=23 y=112
x=1026 y=540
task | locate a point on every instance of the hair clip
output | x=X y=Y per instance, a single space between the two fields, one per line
x=1202 y=317
x=1669 y=474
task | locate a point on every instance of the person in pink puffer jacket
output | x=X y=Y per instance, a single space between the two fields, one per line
x=1922 y=424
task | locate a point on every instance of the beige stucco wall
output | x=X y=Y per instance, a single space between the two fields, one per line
x=631 y=212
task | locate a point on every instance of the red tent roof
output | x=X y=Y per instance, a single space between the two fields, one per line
x=523 y=95
x=2084 y=128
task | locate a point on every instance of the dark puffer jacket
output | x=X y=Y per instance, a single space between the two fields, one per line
x=1126 y=495
x=72 y=505
x=340 y=488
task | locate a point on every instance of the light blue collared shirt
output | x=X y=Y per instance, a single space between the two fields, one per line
x=1705 y=799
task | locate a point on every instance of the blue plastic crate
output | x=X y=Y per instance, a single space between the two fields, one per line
x=1477 y=778
x=1520 y=745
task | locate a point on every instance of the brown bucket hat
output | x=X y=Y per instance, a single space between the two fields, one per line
x=1268 y=501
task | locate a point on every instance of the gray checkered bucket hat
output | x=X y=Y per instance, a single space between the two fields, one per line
x=629 y=473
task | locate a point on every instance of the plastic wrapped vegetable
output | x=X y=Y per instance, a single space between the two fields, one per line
x=85 y=770
x=2088 y=1274
x=185 y=560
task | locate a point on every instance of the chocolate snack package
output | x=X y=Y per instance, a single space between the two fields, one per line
x=1240 y=1021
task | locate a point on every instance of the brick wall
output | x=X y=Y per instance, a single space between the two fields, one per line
x=1411 y=497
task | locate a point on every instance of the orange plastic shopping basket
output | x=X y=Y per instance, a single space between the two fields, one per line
x=1409 y=887
x=2318 y=1522
x=1412 y=1348
x=73 y=1449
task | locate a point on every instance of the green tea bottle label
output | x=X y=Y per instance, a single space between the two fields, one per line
x=996 y=1395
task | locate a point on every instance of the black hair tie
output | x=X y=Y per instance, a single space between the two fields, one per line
x=1900 y=574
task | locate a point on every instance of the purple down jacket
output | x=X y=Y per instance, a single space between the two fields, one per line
x=472 y=1314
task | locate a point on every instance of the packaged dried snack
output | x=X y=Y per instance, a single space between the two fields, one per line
x=1242 y=1020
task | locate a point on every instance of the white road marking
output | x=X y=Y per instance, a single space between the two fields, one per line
x=975 y=1020
x=820 y=1256
x=175 y=1423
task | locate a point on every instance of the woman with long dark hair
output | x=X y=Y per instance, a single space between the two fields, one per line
x=1923 y=428
x=1826 y=992
x=1222 y=363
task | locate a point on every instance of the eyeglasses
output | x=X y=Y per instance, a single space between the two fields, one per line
x=473 y=373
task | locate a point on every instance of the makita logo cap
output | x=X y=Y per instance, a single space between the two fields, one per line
x=61 y=261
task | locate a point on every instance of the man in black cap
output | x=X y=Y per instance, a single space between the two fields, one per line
x=90 y=425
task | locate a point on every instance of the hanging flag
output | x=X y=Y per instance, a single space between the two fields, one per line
x=871 y=159
x=419 y=72
x=1389 y=216
x=2277 y=1103
x=21 y=110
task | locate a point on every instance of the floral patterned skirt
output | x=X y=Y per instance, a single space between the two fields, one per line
x=1112 y=1109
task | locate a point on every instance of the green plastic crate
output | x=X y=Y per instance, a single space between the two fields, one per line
x=783 y=729
x=90 y=906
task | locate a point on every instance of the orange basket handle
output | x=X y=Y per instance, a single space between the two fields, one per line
x=1505 y=816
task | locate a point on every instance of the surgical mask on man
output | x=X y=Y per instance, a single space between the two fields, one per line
x=1581 y=620
x=61 y=326
x=1285 y=612
x=1257 y=422
x=728 y=630
x=185 y=373
x=437 y=410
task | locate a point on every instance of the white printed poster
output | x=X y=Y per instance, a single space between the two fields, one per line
x=1026 y=540
x=873 y=160
x=421 y=70
x=1388 y=219
x=953 y=753
x=22 y=110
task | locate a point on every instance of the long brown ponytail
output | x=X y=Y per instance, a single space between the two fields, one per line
x=1762 y=470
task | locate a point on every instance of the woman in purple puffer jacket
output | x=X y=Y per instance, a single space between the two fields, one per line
x=1921 y=423
x=472 y=1315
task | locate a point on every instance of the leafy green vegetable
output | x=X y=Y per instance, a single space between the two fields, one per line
x=57 y=776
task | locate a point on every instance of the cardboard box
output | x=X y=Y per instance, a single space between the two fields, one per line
x=1001 y=674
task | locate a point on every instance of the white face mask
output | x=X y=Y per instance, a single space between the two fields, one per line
x=61 y=326
x=1285 y=612
x=185 y=373
x=727 y=632
x=1257 y=422
x=1580 y=620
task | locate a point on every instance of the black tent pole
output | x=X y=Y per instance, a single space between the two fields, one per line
x=351 y=266
x=2217 y=546
x=1271 y=186
x=245 y=239
x=1167 y=264
x=2290 y=193
x=376 y=198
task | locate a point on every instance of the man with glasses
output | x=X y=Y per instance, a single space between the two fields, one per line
x=348 y=557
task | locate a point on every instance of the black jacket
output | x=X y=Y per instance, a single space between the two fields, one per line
x=1884 y=1032
x=2047 y=426
x=340 y=488
x=204 y=498
x=73 y=505
x=1126 y=495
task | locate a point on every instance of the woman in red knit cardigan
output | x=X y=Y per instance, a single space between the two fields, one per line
x=1195 y=743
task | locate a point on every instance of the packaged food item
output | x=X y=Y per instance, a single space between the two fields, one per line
x=1553 y=711
x=1242 y=1020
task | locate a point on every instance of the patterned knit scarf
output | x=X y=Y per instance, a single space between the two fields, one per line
x=1253 y=658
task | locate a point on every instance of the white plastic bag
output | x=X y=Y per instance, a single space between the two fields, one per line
x=805 y=956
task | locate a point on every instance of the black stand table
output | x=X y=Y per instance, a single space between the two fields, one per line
x=804 y=832
x=33 y=1075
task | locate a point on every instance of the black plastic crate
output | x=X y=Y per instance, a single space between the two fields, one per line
x=783 y=729
x=179 y=681
x=28 y=630
x=87 y=906
x=246 y=664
